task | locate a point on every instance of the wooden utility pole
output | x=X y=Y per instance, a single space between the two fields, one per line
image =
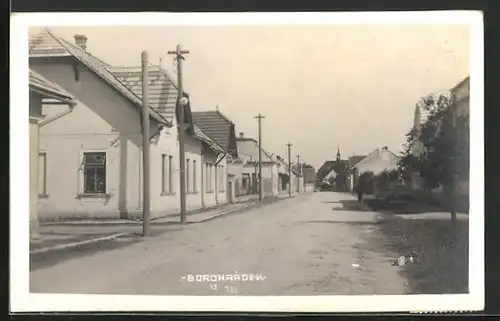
x=181 y=101
x=146 y=202
x=259 y=118
x=298 y=173
x=289 y=145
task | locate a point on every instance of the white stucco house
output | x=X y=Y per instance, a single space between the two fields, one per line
x=379 y=160
x=248 y=154
x=296 y=182
x=41 y=92
x=222 y=130
x=93 y=155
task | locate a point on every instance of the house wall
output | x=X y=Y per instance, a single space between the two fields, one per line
x=214 y=193
x=104 y=120
x=269 y=179
x=235 y=171
x=35 y=107
x=249 y=154
x=378 y=162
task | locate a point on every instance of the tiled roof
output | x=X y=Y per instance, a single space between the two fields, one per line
x=217 y=126
x=162 y=90
x=377 y=153
x=353 y=160
x=199 y=134
x=126 y=80
x=39 y=83
x=46 y=44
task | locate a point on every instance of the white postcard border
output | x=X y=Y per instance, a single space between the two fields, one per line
x=23 y=301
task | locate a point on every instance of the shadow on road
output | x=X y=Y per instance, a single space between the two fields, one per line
x=352 y=205
x=53 y=257
x=363 y=223
x=400 y=207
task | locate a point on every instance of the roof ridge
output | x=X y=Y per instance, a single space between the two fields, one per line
x=224 y=116
x=64 y=43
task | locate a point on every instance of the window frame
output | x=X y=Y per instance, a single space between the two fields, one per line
x=81 y=173
x=188 y=176
x=171 y=190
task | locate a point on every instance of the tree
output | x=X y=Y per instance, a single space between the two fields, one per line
x=442 y=156
x=365 y=183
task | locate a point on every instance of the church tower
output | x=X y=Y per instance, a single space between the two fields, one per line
x=338 y=154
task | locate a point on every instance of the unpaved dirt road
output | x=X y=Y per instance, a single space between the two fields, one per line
x=302 y=246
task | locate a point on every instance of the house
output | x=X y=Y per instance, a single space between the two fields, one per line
x=248 y=154
x=41 y=92
x=459 y=108
x=334 y=174
x=222 y=130
x=286 y=177
x=309 y=174
x=379 y=160
x=94 y=154
x=461 y=91
x=353 y=160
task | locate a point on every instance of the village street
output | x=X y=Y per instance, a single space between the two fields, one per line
x=300 y=246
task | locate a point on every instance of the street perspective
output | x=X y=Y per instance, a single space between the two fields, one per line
x=244 y=160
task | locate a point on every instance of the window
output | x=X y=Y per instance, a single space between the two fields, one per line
x=209 y=178
x=170 y=174
x=194 y=177
x=221 y=178
x=164 y=174
x=94 y=173
x=188 y=176
x=42 y=174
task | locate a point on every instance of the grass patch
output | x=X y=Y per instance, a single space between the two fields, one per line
x=442 y=248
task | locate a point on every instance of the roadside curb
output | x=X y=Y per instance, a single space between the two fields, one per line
x=235 y=211
x=125 y=222
x=76 y=244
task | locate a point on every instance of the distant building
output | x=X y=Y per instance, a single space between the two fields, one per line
x=379 y=160
x=42 y=92
x=248 y=154
x=460 y=108
x=334 y=174
x=222 y=130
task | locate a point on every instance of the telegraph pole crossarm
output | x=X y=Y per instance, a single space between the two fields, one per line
x=181 y=101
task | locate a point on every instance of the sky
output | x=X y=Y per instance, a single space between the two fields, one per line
x=320 y=87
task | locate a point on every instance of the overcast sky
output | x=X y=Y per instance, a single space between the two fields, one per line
x=318 y=86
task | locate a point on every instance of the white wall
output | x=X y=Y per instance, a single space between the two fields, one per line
x=377 y=162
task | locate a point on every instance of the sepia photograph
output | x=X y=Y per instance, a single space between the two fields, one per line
x=314 y=165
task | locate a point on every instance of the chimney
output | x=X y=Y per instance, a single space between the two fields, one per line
x=81 y=41
x=241 y=134
x=385 y=148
